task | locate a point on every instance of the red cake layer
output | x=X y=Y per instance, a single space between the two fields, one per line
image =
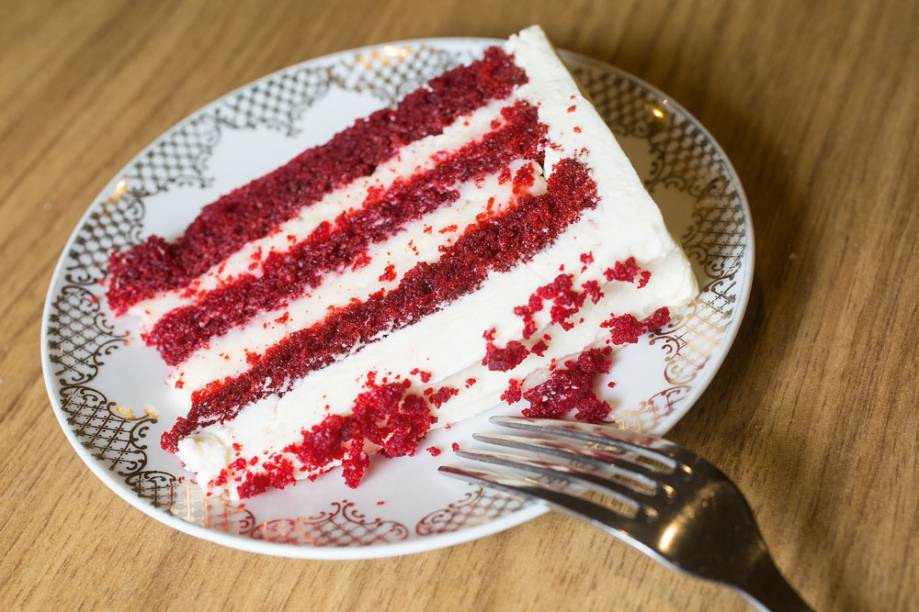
x=254 y=210
x=495 y=244
x=338 y=245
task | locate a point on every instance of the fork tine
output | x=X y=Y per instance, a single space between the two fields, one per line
x=642 y=502
x=613 y=522
x=574 y=450
x=651 y=446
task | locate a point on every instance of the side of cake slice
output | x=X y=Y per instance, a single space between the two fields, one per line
x=485 y=240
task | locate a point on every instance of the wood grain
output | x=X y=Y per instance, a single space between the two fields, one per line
x=813 y=414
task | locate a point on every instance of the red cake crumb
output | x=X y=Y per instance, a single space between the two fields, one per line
x=389 y=274
x=422 y=374
x=433 y=450
x=592 y=288
x=442 y=395
x=626 y=329
x=524 y=180
x=258 y=208
x=502 y=359
x=455 y=446
x=566 y=301
x=571 y=388
x=540 y=347
x=381 y=502
x=499 y=244
x=333 y=245
x=627 y=271
x=447 y=229
x=355 y=462
x=658 y=319
x=514 y=391
x=470 y=382
x=526 y=312
x=571 y=108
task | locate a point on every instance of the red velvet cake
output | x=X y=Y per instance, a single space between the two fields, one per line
x=484 y=240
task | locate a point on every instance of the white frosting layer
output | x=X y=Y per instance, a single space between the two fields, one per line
x=449 y=343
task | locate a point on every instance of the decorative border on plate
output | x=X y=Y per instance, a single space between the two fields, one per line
x=477 y=506
x=80 y=336
x=342 y=525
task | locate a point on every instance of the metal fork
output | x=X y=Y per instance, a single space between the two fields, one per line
x=667 y=502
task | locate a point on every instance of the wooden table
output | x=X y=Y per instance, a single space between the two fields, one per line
x=814 y=413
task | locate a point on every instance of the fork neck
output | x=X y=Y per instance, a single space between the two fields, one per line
x=767 y=589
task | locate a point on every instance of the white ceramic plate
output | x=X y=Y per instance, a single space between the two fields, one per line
x=100 y=377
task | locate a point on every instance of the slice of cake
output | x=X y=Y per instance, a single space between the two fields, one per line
x=484 y=240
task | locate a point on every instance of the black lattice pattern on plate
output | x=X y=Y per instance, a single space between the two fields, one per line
x=110 y=438
x=476 y=507
x=717 y=237
x=228 y=517
x=717 y=241
x=624 y=105
x=390 y=72
x=190 y=503
x=114 y=224
x=179 y=158
x=276 y=102
x=158 y=488
x=342 y=526
x=79 y=336
x=685 y=157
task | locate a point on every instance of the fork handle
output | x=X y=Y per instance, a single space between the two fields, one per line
x=767 y=589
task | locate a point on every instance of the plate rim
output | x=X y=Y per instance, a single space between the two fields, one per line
x=431 y=542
